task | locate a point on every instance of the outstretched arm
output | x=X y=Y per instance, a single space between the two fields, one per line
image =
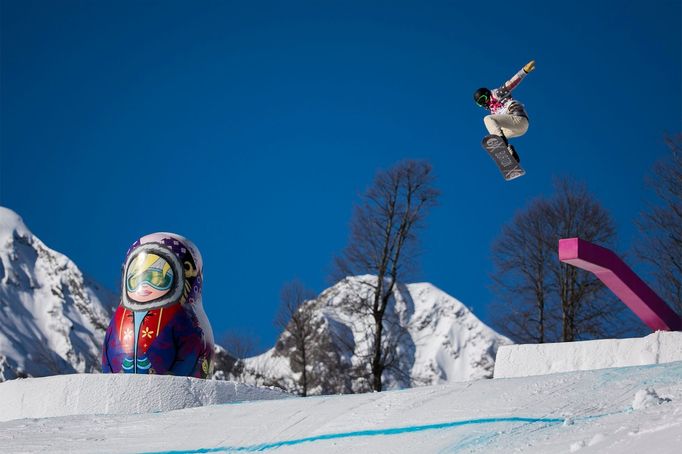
x=516 y=79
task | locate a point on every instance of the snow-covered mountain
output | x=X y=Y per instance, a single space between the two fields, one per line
x=52 y=317
x=435 y=337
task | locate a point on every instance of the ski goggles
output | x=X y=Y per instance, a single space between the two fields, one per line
x=483 y=101
x=155 y=266
x=153 y=277
x=149 y=269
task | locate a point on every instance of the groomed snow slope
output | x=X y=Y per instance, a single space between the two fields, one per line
x=540 y=359
x=624 y=410
x=87 y=394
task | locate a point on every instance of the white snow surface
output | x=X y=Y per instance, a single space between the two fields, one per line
x=646 y=398
x=610 y=411
x=52 y=317
x=89 y=394
x=540 y=359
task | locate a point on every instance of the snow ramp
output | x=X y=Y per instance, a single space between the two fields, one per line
x=87 y=394
x=631 y=409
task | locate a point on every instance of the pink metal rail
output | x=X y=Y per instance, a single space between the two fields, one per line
x=622 y=281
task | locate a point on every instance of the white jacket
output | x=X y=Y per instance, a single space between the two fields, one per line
x=502 y=101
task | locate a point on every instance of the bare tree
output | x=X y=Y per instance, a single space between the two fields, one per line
x=239 y=344
x=383 y=243
x=662 y=226
x=230 y=351
x=296 y=320
x=542 y=299
x=523 y=257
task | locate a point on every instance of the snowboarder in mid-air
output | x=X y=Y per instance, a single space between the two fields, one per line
x=507 y=119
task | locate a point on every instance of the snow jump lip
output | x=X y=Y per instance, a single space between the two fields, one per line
x=622 y=281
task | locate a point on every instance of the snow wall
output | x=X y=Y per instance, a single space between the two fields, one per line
x=90 y=394
x=540 y=359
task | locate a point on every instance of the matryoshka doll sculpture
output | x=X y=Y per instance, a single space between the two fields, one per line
x=160 y=326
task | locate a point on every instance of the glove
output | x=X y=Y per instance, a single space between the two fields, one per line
x=529 y=67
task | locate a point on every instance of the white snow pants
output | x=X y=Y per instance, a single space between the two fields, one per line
x=509 y=125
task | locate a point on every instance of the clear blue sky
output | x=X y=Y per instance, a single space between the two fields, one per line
x=253 y=127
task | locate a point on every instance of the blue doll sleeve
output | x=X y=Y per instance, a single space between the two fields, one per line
x=189 y=342
x=106 y=364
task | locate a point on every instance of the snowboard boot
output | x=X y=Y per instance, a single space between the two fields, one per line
x=512 y=150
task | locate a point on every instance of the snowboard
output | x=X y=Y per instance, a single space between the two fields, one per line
x=499 y=152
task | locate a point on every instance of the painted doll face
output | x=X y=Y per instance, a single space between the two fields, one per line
x=148 y=278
